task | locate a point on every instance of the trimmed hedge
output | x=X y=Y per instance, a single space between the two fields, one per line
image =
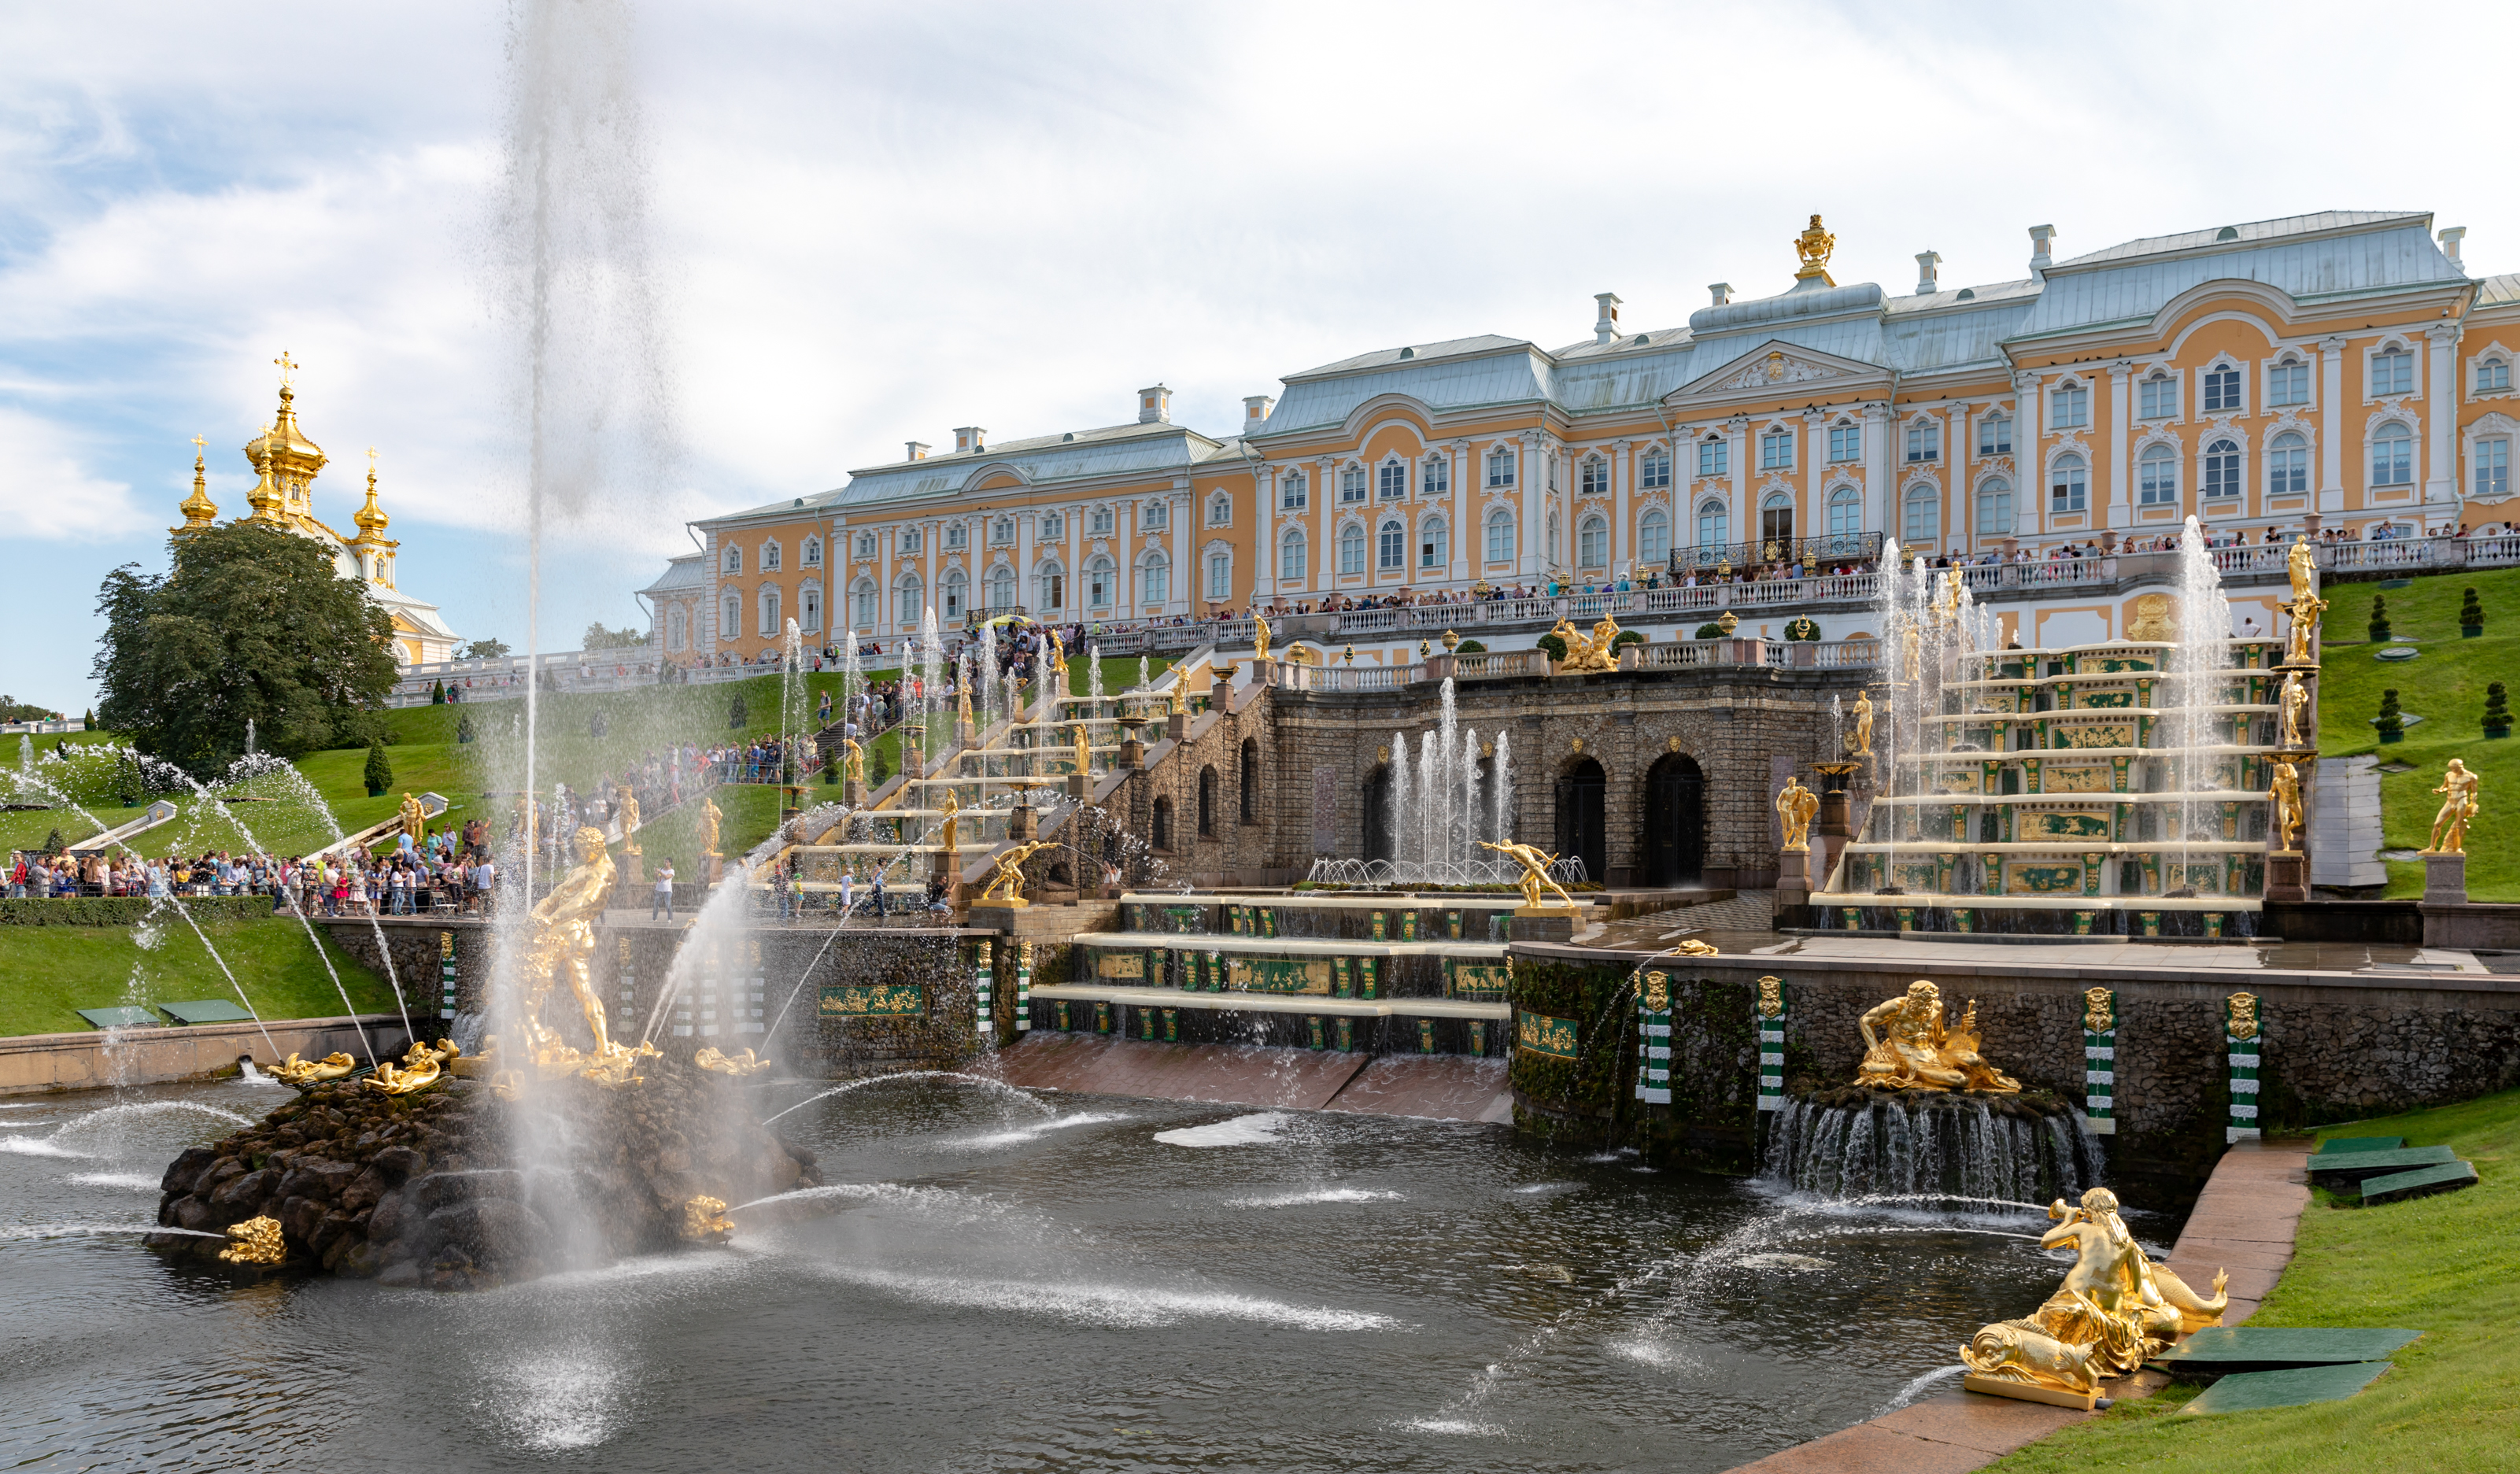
x=124 y=911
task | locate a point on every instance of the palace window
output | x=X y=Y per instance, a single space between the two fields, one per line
x=769 y=557
x=2493 y=374
x=2068 y=487
x=1500 y=466
x=1101 y=521
x=957 y=536
x=1594 y=477
x=1001 y=532
x=2069 y=406
x=2492 y=461
x=2157 y=476
x=908 y=602
x=1054 y=526
x=2392 y=373
x=1391 y=480
x=957 y=594
x=809 y=609
x=2288 y=382
x=2222 y=391
x=1156 y=517
x=2223 y=469
x=1351 y=483
x=1294 y=492
x=767 y=603
x=1653 y=537
x=911 y=540
x=1390 y=546
x=1499 y=536
x=2157 y=397
x=1845 y=444
x=1434 y=544
x=813 y=553
x=1924 y=441
x=1653 y=470
x=2393 y=456
x=2287 y=466
x=1549 y=540
x=1099 y=582
x=1994 y=435
x=1714 y=524
x=1994 y=507
x=730 y=616
x=1436 y=477
x=1154 y=579
x=1002 y=589
x=1220 y=577
x=1776 y=449
x=1351 y=549
x=1593 y=543
x=1845 y=513
x=734 y=559
x=1220 y=510
x=1050 y=583
x=1714 y=457
x=1923 y=523
x=866 y=545
x=863 y=613
x=1293 y=553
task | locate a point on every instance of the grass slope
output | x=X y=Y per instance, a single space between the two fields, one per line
x=2448 y=1266
x=2446 y=687
x=54 y=970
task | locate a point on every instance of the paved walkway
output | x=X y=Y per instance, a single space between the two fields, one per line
x=2244 y=1222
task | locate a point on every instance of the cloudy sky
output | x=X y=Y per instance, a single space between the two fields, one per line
x=868 y=224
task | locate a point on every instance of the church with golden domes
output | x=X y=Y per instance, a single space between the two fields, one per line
x=285 y=466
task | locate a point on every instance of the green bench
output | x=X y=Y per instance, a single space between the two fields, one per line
x=2348 y=1167
x=2397 y=1187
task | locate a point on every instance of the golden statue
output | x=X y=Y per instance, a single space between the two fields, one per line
x=2099 y=1010
x=2296 y=698
x=1796 y=805
x=1913 y=644
x=1693 y=948
x=1946 y=597
x=711 y=824
x=1772 y=997
x=1595 y=652
x=2286 y=795
x=853 y=761
x=1859 y=742
x=2153 y=618
x=1174 y=705
x=414 y=822
x=1813 y=246
x=418 y=1069
x=1006 y=885
x=704 y=1221
x=952 y=810
x=2302 y=564
x=740 y=1063
x=305 y=1072
x=1084 y=749
x=1259 y=638
x=1536 y=881
x=1058 y=660
x=1915 y=1052
x=2305 y=613
x=256 y=1240
x=963 y=704
x=625 y=807
x=563 y=940
x=2458 y=807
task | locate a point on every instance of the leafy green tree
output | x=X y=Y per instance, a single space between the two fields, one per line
x=2379 y=618
x=87 y=723
x=14 y=710
x=249 y=624
x=484 y=650
x=597 y=637
x=378 y=775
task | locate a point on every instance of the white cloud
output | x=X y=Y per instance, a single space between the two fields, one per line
x=47 y=492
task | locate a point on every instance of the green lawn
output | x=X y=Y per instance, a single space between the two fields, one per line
x=2448 y=1266
x=50 y=972
x=2445 y=686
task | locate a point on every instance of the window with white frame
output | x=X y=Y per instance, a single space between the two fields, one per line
x=2287 y=466
x=1294 y=491
x=1390 y=546
x=1351 y=549
x=2157 y=397
x=2288 y=382
x=1994 y=507
x=1924 y=441
x=730 y=616
x=1776 y=449
x=1219 y=576
x=957 y=537
x=2493 y=463
x=1391 y=479
x=1845 y=513
x=864 y=614
x=2493 y=373
x=2393 y=456
x=677 y=628
x=1351 y=485
x=1994 y=435
x=2069 y=406
x=908 y=600
x=766 y=604
x=1156 y=517
x=2068 y=485
x=1002 y=589
x=2393 y=372
x=1435 y=478
x=1594 y=477
x=1155 y=579
x=2223 y=390
x=770 y=552
x=1923 y=523
x=913 y=541
x=1845 y=442
x=1653 y=537
x=1593 y=543
x=1049 y=582
x=1500 y=466
x=1102 y=582
x=1001 y=532
x=813 y=553
x=1099 y=521
x=1054 y=526
x=1293 y=552
x=1714 y=457
x=809 y=610
x=1714 y=524
x=866 y=545
x=1550 y=459
x=1220 y=510
x=1499 y=536
x=1434 y=544
x=734 y=559
x=1549 y=540
x=1653 y=470
x=2157 y=477
x=957 y=594
x=2221 y=468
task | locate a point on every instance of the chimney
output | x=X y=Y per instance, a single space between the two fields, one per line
x=2450 y=240
x=1155 y=406
x=1927 y=264
x=1255 y=411
x=971 y=437
x=1606 y=325
x=2042 y=239
x=1722 y=292
x=917 y=450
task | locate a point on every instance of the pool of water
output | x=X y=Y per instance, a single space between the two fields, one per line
x=1122 y=1284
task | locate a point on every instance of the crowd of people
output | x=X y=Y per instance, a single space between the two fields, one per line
x=440 y=876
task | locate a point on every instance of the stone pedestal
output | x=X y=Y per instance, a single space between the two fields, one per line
x=1077 y=783
x=1544 y=924
x=712 y=868
x=1177 y=725
x=632 y=869
x=1023 y=824
x=2445 y=880
x=853 y=793
x=2287 y=876
x=998 y=914
x=1793 y=877
x=1133 y=754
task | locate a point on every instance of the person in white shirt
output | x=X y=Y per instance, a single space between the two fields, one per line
x=664 y=899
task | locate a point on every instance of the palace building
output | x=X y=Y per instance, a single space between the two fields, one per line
x=285 y=464
x=2339 y=370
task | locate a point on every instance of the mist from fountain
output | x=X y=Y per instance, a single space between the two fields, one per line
x=2196 y=664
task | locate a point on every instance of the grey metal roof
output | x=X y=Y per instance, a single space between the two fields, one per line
x=2395 y=253
x=2254 y=233
x=2498 y=292
x=684 y=570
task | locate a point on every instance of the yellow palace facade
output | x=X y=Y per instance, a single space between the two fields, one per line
x=2334 y=370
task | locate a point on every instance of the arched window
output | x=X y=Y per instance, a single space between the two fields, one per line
x=1294 y=492
x=908 y=602
x=1219 y=576
x=1653 y=537
x=1099 y=582
x=1593 y=478
x=1776 y=520
x=1293 y=553
x=730 y=616
x=1501 y=536
x=1351 y=549
x=1002 y=589
x=734 y=559
x=1207 y=802
x=864 y=615
x=1500 y=466
x=809 y=609
x=1049 y=582
x=1845 y=513
x=1391 y=479
x=813 y=553
x=1163 y=836
x=1434 y=544
x=2223 y=469
x=1994 y=507
x=2157 y=476
x=1593 y=543
x=2068 y=487
x=1435 y=478
x=1220 y=510
x=2287 y=466
x=1714 y=524
x=1155 y=579
x=1250 y=794
x=2393 y=454
x=957 y=594
x=1390 y=546
x=1923 y=521
x=767 y=601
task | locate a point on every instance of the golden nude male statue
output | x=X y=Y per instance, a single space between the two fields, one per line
x=1597 y=652
x=1859 y=742
x=1006 y=885
x=1259 y=639
x=1913 y=1050
x=853 y=761
x=2458 y=807
x=2286 y=793
x=1536 y=882
x=2295 y=700
x=415 y=820
x=563 y=942
x=712 y=822
x=625 y=804
x=1796 y=805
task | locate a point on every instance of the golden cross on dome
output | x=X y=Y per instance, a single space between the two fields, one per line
x=287 y=365
x=198 y=443
x=372 y=461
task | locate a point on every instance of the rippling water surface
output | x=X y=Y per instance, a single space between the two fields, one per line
x=1128 y=1285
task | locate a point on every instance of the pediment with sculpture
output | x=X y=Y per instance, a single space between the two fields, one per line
x=1776 y=365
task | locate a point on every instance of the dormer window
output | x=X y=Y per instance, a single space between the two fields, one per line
x=1593 y=478
x=2157 y=397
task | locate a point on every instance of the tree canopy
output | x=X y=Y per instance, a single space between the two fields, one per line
x=252 y=624
x=484 y=650
x=597 y=637
x=14 y=710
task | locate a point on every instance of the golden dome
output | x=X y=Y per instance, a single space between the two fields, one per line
x=371 y=517
x=198 y=508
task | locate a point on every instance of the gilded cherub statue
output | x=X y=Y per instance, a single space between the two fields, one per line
x=2286 y=793
x=1536 y=881
x=1007 y=884
x=1913 y=1050
x=1796 y=805
x=2458 y=806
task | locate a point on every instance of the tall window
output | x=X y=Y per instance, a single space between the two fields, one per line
x=957 y=594
x=1292 y=554
x=1220 y=510
x=1714 y=457
x=1294 y=491
x=768 y=604
x=1391 y=480
x=911 y=541
x=2157 y=476
x=1994 y=507
x=1002 y=587
x=1499 y=536
x=1434 y=544
x=1845 y=443
x=1352 y=483
x=1776 y=449
x=1549 y=541
x=1351 y=549
x=1714 y=524
x=1924 y=441
x=2157 y=398
x=2393 y=372
x=809 y=610
x=1845 y=513
x=1101 y=519
x=1653 y=470
x=2393 y=456
x=1220 y=577
x=2069 y=406
x=1994 y=435
x=1102 y=583
x=1595 y=477
x=1500 y=466
x=734 y=559
x=2492 y=461
x=907 y=606
x=2222 y=391
x=2493 y=374
x=863 y=613
x=1435 y=478
x=1923 y=523
x=2288 y=382
x=813 y=553
x=1156 y=517
x=1653 y=537
x=677 y=627
x=2287 y=466
x=1050 y=583
x=1390 y=546
x=1155 y=579
x=1593 y=543
x=730 y=616
x=2068 y=487
x=2223 y=469
x=1054 y=526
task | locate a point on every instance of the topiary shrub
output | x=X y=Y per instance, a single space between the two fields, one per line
x=2497 y=711
x=1469 y=648
x=1555 y=646
x=1627 y=638
x=378 y=776
x=1709 y=632
x=2471 y=615
x=54 y=843
x=2379 y=618
x=2392 y=722
x=737 y=712
x=464 y=727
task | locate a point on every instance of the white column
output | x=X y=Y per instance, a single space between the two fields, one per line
x=1813 y=518
x=1124 y=519
x=1737 y=433
x=1879 y=429
x=1185 y=588
x=2121 y=432
x=883 y=575
x=1620 y=477
x=1324 y=515
x=2331 y=424
x=1527 y=474
x=1264 y=533
x=1075 y=562
x=1027 y=595
x=2030 y=492
x=1466 y=555
x=1962 y=515
x=2441 y=414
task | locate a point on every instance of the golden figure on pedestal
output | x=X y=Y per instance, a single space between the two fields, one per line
x=1796 y=805
x=625 y=807
x=1589 y=653
x=953 y=819
x=1084 y=750
x=415 y=820
x=2458 y=807
x=1006 y=885
x=562 y=940
x=2296 y=701
x=2301 y=566
x=1058 y=664
x=1859 y=742
x=713 y=825
x=2287 y=796
x=853 y=761
x=1914 y=1052
x=1534 y=883
x=2305 y=610
x=1259 y=639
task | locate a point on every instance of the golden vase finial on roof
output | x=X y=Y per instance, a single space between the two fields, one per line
x=1814 y=246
